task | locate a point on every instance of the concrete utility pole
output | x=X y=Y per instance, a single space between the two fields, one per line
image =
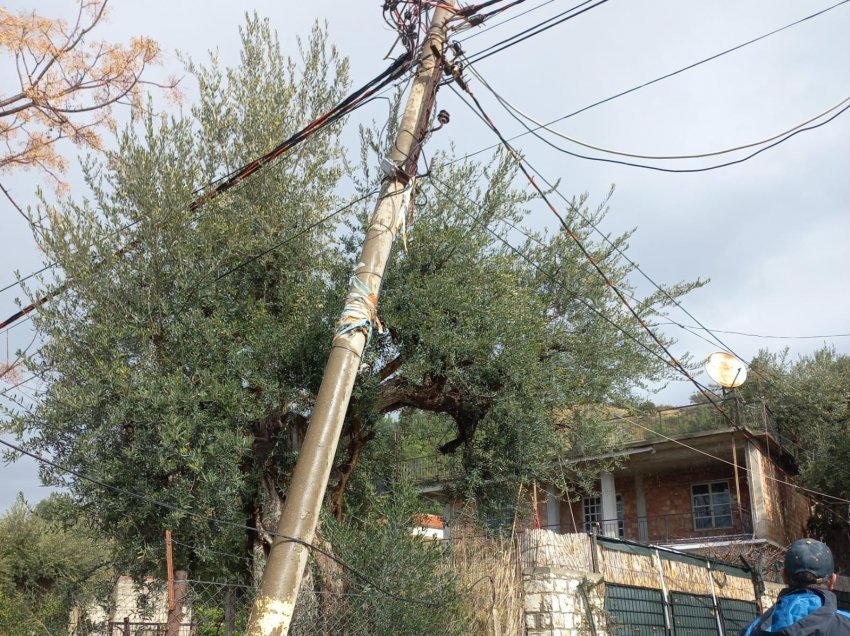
x=272 y=612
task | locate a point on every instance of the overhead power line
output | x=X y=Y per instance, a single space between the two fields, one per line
x=537 y=29
x=798 y=487
x=757 y=335
x=712 y=153
x=587 y=255
x=205 y=284
x=778 y=383
x=356 y=99
x=521 y=162
x=670 y=74
x=506 y=21
x=716 y=339
x=553 y=280
x=535 y=132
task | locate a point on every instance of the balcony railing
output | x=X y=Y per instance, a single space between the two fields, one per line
x=678 y=528
x=429 y=469
x=698 y=418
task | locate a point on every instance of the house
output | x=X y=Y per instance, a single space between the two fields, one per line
x=134 y=608
x=689 y=480
x=684 y=479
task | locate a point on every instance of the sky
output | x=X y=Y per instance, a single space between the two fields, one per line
x=770 y=233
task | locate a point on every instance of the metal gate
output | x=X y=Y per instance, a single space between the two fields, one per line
x=736 y=614
x=634 y=610
x=693 y=615
x=637 y=611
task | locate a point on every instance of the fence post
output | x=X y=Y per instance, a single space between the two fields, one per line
x=169 y=570
x=594 y=551
x=175 y=615
x=126 y=629
x=665 y=596
x=717 y=614
x=228 y=612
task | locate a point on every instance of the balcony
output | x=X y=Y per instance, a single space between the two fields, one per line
x=672 y=529
x=429 y=470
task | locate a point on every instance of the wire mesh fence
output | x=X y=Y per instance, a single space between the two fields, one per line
x=222 y=609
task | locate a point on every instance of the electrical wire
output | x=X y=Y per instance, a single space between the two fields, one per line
x=540 y=126
x=204 y=285
x=672 y=73
x=744 y=468
x=522 y=162
x=519 y=253
x=27 y=277
x=537 y=29
x=506 y=21
x=9 y=368
x=197 y=548
x=474 y=9
x=552 y=279
x=376 y=96
x=586 y=253
x=758 y=335
x=16 y=324
x=631 y=164
x=589 y=257
x=5 y=391
x=396 y=70
x=354 y=100
x=660 y=288
x=276 y=246
x=703 y=389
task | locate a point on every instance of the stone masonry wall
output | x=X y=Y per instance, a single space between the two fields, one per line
x=555 y=605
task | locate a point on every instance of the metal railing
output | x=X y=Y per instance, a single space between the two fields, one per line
x=699 y=418
x=429 y=469
x=679 y=527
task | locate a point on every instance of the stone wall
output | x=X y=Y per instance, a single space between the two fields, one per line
x=564 y=601
x=561 y=602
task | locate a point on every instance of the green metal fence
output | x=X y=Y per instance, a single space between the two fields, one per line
x=736 y=615
x=634 y=610
x=694 y=615
x=638 y=611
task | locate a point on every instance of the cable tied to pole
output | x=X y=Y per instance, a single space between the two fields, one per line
x=360 y=312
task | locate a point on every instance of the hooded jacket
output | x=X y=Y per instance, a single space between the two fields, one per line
x=806 y=611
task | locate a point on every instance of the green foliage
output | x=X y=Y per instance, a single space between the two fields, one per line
x=183 y=360
x=810 y=401
x=405 y=587
x=176 y=364
x=47 y=564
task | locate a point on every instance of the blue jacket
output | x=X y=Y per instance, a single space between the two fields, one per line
x=802 y=612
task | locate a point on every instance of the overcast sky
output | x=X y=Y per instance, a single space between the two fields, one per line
x=771 y=233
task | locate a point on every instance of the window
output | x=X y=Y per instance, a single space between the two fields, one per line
x=712 y=505
x=591 y=508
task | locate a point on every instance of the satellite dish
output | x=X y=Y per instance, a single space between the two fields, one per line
x=725 y=369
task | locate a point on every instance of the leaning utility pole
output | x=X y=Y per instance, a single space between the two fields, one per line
x=272 y=612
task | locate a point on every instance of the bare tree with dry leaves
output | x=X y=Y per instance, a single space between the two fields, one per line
x=68 y=85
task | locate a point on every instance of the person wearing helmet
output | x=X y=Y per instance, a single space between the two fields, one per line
x=807 y=606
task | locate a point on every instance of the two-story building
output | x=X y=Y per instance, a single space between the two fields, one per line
x=684 y=478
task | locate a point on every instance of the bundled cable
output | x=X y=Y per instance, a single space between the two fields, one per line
x=356 y=99
x=396 y=70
